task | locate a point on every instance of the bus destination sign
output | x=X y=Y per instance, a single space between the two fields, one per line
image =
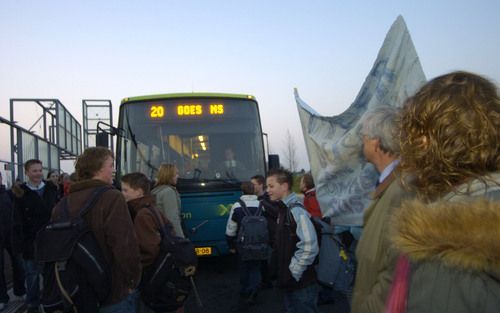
x=159 y=111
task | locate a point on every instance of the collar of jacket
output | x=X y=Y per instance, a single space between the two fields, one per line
x=311 y=192
x=20 y=189
x=86 y=184
x=291 y=199
x=159 y=188
x=462 y=234
x=136 y=205
x=377 y=193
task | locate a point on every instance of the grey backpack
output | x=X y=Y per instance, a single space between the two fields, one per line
x=252 y=241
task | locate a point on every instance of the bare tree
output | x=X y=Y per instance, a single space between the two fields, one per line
x=290 y=151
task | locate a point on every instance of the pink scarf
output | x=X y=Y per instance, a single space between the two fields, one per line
x=398 y=296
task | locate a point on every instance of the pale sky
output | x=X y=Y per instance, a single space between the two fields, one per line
x=74 y=50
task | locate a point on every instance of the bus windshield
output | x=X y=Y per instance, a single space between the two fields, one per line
x=213 y=140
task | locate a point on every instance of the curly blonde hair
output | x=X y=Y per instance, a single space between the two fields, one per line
x=449 y=133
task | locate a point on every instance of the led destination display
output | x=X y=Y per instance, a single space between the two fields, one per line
x=160 y=111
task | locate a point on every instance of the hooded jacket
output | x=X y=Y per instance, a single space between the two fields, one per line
x=454 y=250
x=147 y=228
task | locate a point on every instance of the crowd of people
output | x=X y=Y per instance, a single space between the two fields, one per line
x=430 y=237
x=429 y=243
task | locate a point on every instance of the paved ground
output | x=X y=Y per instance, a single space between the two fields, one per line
x=217 y=282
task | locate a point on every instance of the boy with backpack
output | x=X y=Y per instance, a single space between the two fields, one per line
x=295 y=246
x=247 y=234
x=154 y=230
x=96 y=207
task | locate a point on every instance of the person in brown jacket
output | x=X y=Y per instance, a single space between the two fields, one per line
x=375 y=256
x=136 y=190
x=111 y=224
x=141 y=204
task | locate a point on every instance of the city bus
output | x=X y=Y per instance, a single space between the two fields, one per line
x=197 y=132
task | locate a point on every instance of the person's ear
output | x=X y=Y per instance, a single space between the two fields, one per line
x=377 y=144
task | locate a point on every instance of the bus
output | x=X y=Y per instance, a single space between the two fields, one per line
x=201 y=133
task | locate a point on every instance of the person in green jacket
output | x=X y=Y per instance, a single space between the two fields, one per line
x=449 y=237
x=376 y=259
x=167 y=196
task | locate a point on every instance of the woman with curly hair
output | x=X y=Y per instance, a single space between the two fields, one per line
x=450 y=237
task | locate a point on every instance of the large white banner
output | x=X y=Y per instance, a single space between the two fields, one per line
x=343 y=178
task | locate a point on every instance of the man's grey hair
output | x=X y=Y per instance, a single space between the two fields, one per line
x=380 y=123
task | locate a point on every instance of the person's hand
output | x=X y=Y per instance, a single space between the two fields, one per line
x=327 y=220
x=232 y=251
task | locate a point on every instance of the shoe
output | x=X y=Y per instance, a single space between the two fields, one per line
x=266 y=285
x=242 y=305
x=20 y=298
x=33 y=309
x=2 y=306
x=325 y=301
x=251 y=299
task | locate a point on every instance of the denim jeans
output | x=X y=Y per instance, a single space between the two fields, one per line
x=32 y=271
x=250 y=277
x=127 y=305
x=303 y=300
x=18 y=275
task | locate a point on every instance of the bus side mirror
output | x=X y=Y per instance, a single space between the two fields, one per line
x=102 y=139
x=273 y=161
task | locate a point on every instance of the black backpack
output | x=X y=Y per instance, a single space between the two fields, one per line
x=76 y=276
x=166 y=284
x=252 y=241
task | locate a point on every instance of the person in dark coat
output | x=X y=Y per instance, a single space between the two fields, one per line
x=33 y=203
x=6 y=244
x=295 y=246
x=111 y=224
x=270 y=212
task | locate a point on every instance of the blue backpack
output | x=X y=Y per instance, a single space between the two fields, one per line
x=337 y=266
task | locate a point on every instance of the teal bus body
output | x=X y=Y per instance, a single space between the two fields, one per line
x=205 y=214
x=195 y=132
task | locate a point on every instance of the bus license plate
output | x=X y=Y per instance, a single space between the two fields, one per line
x=203 y=251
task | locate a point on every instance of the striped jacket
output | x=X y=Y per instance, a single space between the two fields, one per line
x=307 y=247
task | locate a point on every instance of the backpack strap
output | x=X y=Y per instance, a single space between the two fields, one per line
x=64 y=292
x=299 y=204
x=246 y=211
x=65 y=209
x=93 y=199
x=161 y=229
x=65 y=216
x=244 y=207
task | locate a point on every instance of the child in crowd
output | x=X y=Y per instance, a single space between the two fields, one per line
x=141 y=204
x=250 y=275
